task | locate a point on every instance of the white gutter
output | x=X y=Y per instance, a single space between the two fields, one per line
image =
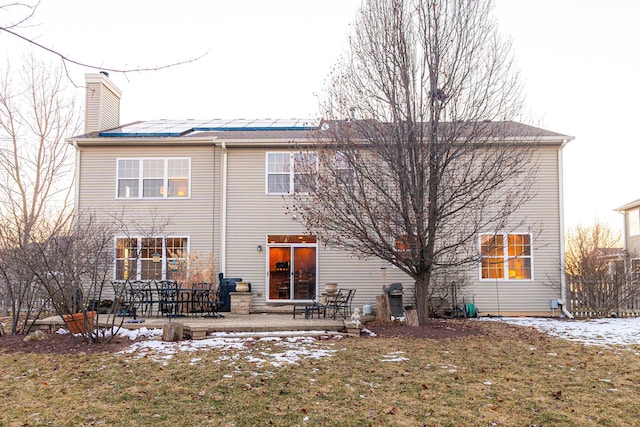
x=563 y=280
x=223 y=211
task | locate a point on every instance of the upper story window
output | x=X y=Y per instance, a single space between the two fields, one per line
x=506 y=256
x=634 y=222
x=153 y=178
x=343 y=169
x=289 y=173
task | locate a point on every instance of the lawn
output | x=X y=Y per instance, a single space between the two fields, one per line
x=508 y=375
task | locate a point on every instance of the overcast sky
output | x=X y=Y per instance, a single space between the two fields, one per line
x=268 y=59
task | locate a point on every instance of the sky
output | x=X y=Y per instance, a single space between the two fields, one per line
x=268 y=59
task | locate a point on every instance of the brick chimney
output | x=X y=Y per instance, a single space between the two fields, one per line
x=102 y=103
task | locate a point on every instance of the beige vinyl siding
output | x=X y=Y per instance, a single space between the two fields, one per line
x=252 y=215
x=102 y=105
x=633 y=241
x=633 y=246
x=195 y=217
x=363 y=275
x=542 y=220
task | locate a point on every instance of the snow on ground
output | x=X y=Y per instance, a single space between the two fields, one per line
x=603 y=332
x=284 y=348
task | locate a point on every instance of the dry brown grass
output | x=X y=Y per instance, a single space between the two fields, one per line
x=510 y=376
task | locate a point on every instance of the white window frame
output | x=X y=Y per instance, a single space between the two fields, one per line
x=137 y=257
x=506 y=257
x=291 y=173
x=344 y=172
x=166 y=178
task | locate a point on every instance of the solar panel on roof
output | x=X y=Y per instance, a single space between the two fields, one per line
x=175 y=128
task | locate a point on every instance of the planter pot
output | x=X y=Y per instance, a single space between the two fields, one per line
x=78 y=322
x=242 y=286
x=331 y=288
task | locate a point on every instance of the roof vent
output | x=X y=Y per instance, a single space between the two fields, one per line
x=352 y=114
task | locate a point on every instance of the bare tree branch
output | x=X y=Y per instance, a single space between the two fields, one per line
x=431 y=157
x=35 y=173
x=602 y=282
x=65 y=59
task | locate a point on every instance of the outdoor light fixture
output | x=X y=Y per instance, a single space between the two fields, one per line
x=259 y=248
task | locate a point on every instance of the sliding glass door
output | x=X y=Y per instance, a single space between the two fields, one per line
x=292 y=264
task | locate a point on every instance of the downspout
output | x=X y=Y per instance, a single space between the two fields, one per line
x=76 y=182
x=223 y=211
x=563 y=279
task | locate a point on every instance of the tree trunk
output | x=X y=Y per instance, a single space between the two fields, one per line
x=422 y=300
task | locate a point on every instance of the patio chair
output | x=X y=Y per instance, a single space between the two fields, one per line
x=340 y=303
x=343 y=304
x=120 y=305
x=211 y=300
x=199 y=296
x=140 y=298
x=310 y=309
x=168 y=296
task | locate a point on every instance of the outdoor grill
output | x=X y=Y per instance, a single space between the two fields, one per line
x=395 y=292
x=227 y=285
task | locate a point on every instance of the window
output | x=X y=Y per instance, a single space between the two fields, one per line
x=634 y=222
x=149 y=258
x=403 y=244
x=126 y=256
x=343 y=171
x=153 y=178
x=289 y=173
x=506 y=256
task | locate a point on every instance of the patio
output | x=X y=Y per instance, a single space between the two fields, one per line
x=200 y=327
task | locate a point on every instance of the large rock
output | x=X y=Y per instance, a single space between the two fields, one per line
x=35 y=336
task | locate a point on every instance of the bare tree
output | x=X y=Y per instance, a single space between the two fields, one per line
x=599 y=276
x=26 y=12
x=35 y=170
x=427 y=158
x=74 y=265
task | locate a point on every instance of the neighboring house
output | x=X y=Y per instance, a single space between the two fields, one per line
x=631 y=235
x=217 y=188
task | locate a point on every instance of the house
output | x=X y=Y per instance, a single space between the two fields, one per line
x=631 y=235
x=216 y=187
